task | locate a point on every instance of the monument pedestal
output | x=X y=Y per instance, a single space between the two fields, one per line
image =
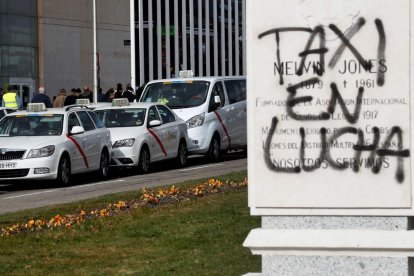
x=309 y=245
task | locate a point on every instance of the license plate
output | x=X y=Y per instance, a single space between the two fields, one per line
x=7 y=166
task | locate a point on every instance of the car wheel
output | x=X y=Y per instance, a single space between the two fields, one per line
x=213 y=153
x=144 y=161
x=64 y=172
x=182 y=155
x=103 y=165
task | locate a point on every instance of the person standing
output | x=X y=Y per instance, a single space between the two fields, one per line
x=129 y=94
x=71 y=99
x=101 y=96
x=87 y=94
x=11 y=100
x=60 y=99
x=42 y=98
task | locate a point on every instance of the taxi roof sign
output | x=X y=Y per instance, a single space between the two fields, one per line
x=83 y=102
x=36 y=107
x=120 y=102
x=186 y=74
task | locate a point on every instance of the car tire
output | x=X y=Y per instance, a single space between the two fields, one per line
x=214 y=152
x=144 y=161
x=103 y=171
x=181 y=159
x=64 y=172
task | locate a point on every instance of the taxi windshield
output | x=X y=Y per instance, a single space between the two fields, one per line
x=122 y=117
x=32 y=125
x=177 y=94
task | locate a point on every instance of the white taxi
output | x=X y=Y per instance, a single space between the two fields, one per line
x=53 y=144
x=213 y=107
x=143 y=133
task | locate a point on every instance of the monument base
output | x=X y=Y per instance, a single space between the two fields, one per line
x=305 y=245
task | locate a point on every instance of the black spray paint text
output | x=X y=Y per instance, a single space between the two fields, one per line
x=377 y=152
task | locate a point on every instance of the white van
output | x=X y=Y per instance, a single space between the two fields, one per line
x=213 y=107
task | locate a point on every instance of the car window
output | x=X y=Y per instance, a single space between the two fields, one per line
x=236 y=90
x=86 y=121
x=153 y=114
x=122 y=117
x=32 y=125
x=166 y=115
x=96 y=120
x=177 y=94
x=217 y=91
x=2 y=114
x=72 y=121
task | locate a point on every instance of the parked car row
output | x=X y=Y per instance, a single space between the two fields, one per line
x=207 y=116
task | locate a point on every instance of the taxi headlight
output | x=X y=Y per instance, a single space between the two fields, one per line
x=124 y=143
x=42 y=152
x=196 y=121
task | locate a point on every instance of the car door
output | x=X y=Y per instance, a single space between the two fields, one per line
x=90 y=140
x=218 y=114
x=171 y=130
x=79 y=162
x=236 y=111
x=156 y=136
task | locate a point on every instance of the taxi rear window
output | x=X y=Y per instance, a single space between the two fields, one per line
x=32 y=125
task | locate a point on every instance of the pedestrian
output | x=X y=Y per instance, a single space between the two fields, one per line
x=42 y=98
x=11 y=99
x=139 y=91
x=119 y=91
x=87 y=94
x=101 y=97
x=60 y=99
x=71 y=98
x=110 y=94
x=129 y=94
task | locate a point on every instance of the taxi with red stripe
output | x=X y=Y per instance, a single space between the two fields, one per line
x=53 y=144
x=143 y=133
x=213 y=107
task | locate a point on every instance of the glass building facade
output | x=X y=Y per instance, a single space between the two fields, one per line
x=205 y=36
x=18 y=44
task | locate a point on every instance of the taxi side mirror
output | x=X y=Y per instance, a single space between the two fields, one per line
x=154 y=123
x=77 y=130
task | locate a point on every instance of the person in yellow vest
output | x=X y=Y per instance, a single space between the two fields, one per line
x=11 y=100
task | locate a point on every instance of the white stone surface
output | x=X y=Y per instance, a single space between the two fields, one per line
x=338 y=242
x=334 y=266
x=328 y=190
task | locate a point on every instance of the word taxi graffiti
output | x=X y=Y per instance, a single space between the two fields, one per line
x=378 y=152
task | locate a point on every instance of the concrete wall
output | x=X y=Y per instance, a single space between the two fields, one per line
x=66 y=38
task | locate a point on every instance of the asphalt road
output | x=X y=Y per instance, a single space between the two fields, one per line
x=28 y=195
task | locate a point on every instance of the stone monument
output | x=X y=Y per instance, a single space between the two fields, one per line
x=329 y=129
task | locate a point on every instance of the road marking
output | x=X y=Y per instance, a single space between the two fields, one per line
x=201 y=167
x=38 y=193
x=95 y=184
x=56 y=190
